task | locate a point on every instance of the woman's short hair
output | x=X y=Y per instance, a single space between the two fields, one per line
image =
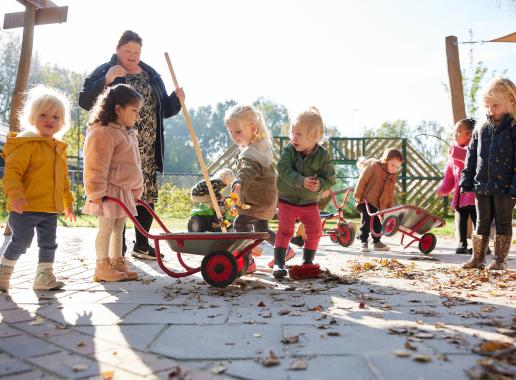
x=313 y=120
x=129 y=36
x=248 y=116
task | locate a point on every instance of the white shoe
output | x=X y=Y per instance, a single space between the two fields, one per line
x=381 y=247
x=364 y=248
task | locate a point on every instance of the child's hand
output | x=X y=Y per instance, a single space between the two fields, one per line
x=180 y=93
x=17 y=205
x=312 y=183
x=69 y=214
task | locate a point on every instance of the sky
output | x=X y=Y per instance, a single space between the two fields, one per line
x=361 y=62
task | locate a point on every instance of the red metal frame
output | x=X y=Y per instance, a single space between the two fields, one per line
x=404 y=231
x=179 y=238
x=339 y=209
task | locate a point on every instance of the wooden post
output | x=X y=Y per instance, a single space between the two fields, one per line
x=23 y=66
x=455 y=78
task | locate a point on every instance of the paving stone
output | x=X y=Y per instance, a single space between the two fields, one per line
x=186 y=372
x=158 y=314
x=321 y=367
x=94 y=314
x=67 y=365
x=25 y=346
x=6 y=302
x=21 y=314
x=135 y=336
x=42 y=330
x=226 y=341
x=139 y=363
x=81 y=343
x=32 y=375
x=29 y=296
x=11 y=366
x=7 y=331
x=392 y=367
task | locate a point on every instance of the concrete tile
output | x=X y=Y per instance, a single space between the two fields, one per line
x=22 y=313
x=7 y=331
x=11 y=366
x=67 y=365
x=42 y=330
x=135 y=336
x=94 y=314
x=139 y=363
x=25 y=346
x=157 y=314
x=32 y=375
x=81 y=344
x=218 y=341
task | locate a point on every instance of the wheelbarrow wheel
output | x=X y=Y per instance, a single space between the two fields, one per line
x=390 y=225
x=427 y=243
x=219 y=268
x=346 y=234
x=243 y=265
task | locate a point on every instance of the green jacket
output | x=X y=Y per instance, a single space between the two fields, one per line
x=293 y=168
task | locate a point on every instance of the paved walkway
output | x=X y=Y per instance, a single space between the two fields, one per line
x=394 y=315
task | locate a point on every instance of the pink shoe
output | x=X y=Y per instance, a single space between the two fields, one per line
x=290 y=254
x=251 y=268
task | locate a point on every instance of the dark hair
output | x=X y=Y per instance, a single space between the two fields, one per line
x=392 y=154
x=469 y=123
x=104 y=109
x=129 y=36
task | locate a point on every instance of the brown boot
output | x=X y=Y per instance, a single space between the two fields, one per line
x=45 y=278
x=478 y=258
x=120 y=264
x=5 y=277
x=502 y=245
x=105 y=271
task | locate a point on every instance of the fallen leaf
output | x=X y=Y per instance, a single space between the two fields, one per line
x=107 y=375
x=298 y=364
x=333 y=333
x=284 y=312
x=410 y=346
x=401 y=353
x=423 y=358
x=291 y=339
x=37 y=321
x=271 y=360
x=261 y=304
x=218 y=369
x=79 y=367
x=424 y=335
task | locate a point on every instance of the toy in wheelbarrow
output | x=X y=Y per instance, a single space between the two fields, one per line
x=411 y=221
x=226 y=255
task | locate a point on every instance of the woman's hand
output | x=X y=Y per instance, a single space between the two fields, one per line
x=69 y=214
x=113 y=73
x=17 y=205
x=180 y=93
x=97 y=201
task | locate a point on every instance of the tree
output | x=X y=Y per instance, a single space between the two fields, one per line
x=10 y=46
x=275 y=115
x=396 y=129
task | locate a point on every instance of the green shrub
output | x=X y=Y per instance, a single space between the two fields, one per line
x=3 y=200
x=173 y=202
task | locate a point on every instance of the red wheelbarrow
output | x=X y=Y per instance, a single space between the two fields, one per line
x=412 y=221
x=226 y=255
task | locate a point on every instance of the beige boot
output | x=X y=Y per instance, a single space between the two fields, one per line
x=45 y=279
x=478 y=258
x=502 y=245
x=105 y=271
x=5 y=274
x=120 y=264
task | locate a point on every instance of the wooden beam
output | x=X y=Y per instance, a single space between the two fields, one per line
x=38 y=4
x=23 y=67
x=44 y=16
x=455 y=78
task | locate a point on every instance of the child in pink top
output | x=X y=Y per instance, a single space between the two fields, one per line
x=462 y=203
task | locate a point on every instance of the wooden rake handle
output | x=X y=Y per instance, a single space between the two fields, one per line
x=196 y=146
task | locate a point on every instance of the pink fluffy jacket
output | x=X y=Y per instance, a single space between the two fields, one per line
x=454 y=167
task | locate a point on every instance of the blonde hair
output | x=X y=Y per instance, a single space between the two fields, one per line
x=313 y=120
x=226 y=175
x=43 y=98
x=502 y=90
x=248 y=117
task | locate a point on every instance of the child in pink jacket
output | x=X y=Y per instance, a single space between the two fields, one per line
x=112 y=168
x=462 y=203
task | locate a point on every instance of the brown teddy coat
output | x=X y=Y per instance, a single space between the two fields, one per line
x=376 y=185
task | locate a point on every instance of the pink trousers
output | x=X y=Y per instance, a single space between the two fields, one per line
x=308 y=215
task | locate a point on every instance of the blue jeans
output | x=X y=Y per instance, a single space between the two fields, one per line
x=23 y=225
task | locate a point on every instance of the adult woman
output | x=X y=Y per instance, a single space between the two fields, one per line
x=125 y=67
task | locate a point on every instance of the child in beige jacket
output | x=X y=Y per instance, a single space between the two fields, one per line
x=112 y=168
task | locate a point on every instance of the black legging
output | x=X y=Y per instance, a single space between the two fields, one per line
x=145 y=219
x=464 y=214
x=365 y=227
